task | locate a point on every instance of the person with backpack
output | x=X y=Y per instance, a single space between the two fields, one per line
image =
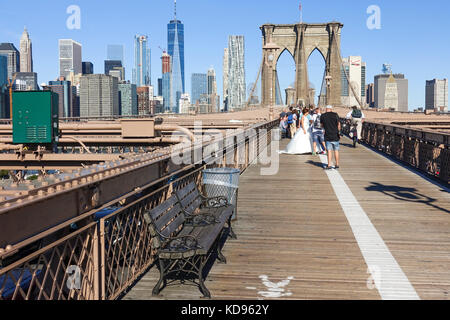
x=357 y=117
x=318 y=134
x=283 y=125
x=291 y=123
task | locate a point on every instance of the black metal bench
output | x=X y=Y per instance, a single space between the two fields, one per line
x=186 y=230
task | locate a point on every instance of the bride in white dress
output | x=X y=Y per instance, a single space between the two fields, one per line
x=302 y=142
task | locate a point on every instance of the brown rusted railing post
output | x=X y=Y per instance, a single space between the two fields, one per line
x=96 y=264
x=102 y=260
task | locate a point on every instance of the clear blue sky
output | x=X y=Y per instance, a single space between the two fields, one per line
x=413 y=35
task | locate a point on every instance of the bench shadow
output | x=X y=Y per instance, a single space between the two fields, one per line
x=405 y=194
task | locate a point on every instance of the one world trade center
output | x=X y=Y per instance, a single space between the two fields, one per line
x=175 y=40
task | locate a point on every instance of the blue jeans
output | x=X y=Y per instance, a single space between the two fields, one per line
x=318 y=137
x=333 y=145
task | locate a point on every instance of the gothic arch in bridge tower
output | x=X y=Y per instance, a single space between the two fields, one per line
x=301 y=40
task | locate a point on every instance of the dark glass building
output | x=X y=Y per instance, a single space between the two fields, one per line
x=13 y=55
x=111 y=64
x=68 y=104
x=3 y=82
x=88 y=67
x=160 y=87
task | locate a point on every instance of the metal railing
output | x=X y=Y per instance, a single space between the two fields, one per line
x=425 y=150
x=98 y=259
x=66 y=269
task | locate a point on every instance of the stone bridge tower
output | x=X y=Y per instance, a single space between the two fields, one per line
x=300 y=40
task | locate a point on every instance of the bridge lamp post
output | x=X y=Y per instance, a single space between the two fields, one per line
x=270 y=58
x=328 y=79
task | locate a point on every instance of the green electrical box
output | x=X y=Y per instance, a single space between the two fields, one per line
x=35 y=117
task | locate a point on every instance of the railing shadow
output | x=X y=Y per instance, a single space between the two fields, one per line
x=316 y=163
x=405 y=194
x=348 y=145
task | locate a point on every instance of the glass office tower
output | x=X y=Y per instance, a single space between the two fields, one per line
x=141 y=71
x=199 y=84
x=175 y=40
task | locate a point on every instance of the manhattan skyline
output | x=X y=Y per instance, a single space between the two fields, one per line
x=407 y=39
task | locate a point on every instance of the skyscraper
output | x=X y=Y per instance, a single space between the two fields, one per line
x=141 y=71
x=199 y=86
x=175 y=40
x=99 y=96
x=26 y=81
x=236 y=73
x=436 y=92
x=128 y=104
x=118 y=72
x=370 y=95
x=26 y=53
x=388 y=88
x=13 y=56
x=115 y=52
x=3 y=70
x=88 y=68
x=3 y=82
x=160 y=86
x=69 y=58
x=225 y=79
x=111 y=64
x=391 y=94
x=212 y=90
x=166 y=75
x=143 y=95
x=185 y=103
x=353 y=71
x=67 y=97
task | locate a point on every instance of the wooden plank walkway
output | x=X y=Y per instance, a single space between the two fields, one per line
x=295 y=238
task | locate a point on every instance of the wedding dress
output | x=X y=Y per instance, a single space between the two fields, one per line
x=301 y=143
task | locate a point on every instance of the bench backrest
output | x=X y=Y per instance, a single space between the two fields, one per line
x=189 y=198
x=166 y=219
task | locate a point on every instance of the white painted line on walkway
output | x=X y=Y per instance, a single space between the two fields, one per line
x=388 y=276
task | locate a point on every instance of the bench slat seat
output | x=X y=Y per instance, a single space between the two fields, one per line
x=205 y=239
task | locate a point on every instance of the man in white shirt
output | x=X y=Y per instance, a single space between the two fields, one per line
x=357 y=117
